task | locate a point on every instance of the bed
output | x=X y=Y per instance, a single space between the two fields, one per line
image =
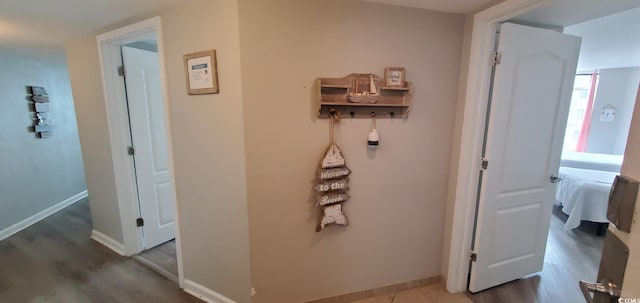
x=584 y=194
x=585 y=185
x=592 y=161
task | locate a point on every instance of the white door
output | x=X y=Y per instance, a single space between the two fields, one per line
x=529 y=107
x=148 y=134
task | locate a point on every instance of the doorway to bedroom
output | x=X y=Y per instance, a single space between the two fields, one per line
x=595 y=141
x=602 y=103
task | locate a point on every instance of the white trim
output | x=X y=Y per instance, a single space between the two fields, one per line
x=204 y=293
x=108 y=242
x=109 y=51
x=477 y=92
x=15 y=228
x=118 y=124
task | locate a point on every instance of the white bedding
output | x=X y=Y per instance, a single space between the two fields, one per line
x=593 y=161
x=584 y=194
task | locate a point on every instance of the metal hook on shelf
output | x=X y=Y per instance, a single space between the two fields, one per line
x=333 y=113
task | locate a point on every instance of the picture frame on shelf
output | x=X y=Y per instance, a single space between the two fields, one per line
x=201 y=72
x=394 y=76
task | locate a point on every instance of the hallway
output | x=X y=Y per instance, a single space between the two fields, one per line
x=56 y=261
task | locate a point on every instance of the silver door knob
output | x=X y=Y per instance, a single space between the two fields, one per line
x=555 y=179
x=605 y=288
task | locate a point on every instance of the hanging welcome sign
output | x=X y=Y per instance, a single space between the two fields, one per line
x=332 y=184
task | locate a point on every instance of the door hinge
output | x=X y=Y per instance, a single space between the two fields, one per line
x=496 y=57
x=474 y=256
x=139 y=222
x=484 y=163
x=121 y=71
x=131 y=151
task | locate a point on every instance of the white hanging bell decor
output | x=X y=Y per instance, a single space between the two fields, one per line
x=374 y=138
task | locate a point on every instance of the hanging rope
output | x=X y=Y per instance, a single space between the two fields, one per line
x=373 y=121
x=335 y=117
x=331 y=130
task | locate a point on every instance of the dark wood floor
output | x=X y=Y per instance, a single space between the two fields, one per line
x=571 y=256
x=56 y=261
x=163 y=259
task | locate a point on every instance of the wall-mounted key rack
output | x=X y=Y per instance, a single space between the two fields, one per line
x=361 y=95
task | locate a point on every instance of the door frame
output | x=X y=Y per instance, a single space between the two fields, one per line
x=119 y=133
x=476 y=96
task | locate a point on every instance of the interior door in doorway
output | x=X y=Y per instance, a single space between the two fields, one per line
x=149 y=137
x=530 y=102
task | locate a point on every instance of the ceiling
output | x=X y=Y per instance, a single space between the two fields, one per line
x=43 y=24
x=449 y=6
x=610 y=29
x=609 y=42
x=568 y=12
x=48 y=23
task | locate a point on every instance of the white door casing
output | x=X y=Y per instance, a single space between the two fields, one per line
x=531 y=98
x=148 y=133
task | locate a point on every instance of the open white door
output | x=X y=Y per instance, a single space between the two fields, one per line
x=531 y=97
x=148 y=133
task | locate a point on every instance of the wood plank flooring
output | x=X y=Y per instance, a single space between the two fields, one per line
x=163 y=259
x=571 y=256
x=429 y=294
x=56 y=261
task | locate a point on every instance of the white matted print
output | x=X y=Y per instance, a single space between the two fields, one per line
x=608 y=113
x=201 y=72
x=394 y=76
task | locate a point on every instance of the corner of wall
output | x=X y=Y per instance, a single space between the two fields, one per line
x=86 y=83
x=455 y=154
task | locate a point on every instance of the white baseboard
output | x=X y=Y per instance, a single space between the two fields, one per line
x=107 y=241
x=204 y=293
x=13 y=229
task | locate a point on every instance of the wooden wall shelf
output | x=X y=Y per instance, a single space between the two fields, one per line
x=333 y=93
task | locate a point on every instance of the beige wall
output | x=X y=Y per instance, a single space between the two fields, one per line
x=398 y=193
x=631 y=168
x=86 y=81
x=457 y=141
x=209 y=151
x=208 y=145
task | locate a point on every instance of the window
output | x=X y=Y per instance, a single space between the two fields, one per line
x=584 y=94
x=576 y=134
x=577 y=111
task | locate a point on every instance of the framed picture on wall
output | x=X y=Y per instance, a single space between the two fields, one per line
x=201 y=72
x=394 y=76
